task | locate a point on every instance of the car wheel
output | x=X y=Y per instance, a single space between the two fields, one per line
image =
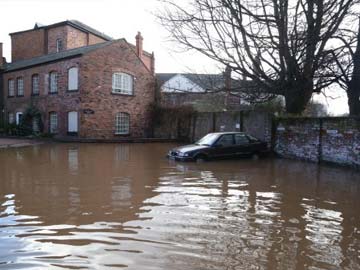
x=200 y=158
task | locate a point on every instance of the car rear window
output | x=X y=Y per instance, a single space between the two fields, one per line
x=241 y=139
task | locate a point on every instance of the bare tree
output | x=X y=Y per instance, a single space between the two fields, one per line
x=283 y=46
x=347 y=67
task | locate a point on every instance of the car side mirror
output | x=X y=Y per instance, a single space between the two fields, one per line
x=218 y=145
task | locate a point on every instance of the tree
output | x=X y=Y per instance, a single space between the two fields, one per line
x=315 y=109
x=283 y=46
x=347 y=68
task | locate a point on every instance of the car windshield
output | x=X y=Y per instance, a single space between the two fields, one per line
x=208 y=139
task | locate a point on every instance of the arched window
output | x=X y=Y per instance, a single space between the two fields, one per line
x=53 y=82
x=122 y=123
x=11 y=88
x=122 y=83
x=20 y=86
x=73 y=79
x=35 y=90
x=53 y=122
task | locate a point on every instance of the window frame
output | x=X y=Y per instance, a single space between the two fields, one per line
x=120 y=89
x=59 y=45
x=12 y=117
x=77 y=79
x=56 y=129
x=241 y=136
x=119 y=125
x=18 y=118
x=18 y=84
x=53 y=73
x=12 y=93
x=38 y=84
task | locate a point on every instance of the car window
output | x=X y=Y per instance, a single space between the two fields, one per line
x=252 y=138
x=208 y=139
x=241 y=139
x=226 y=140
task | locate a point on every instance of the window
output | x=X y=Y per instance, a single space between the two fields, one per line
x=59 y=45
x=122 y=84
x=53 y=82
x=11 y=88
x=122 y=123
x=35 y=84
x=11 y=118
x=73 y=79
x=19 y=116
x=241 y=139
x=20 y=86
x=53 y=122
x=225 y=140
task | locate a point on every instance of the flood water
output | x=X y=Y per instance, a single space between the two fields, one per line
x=116 y=206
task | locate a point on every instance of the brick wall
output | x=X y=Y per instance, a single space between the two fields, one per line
x=95 y=39
x=95 y=86
x=97 y=70
x=62 y=102
x=27 y=44
x=335 y=140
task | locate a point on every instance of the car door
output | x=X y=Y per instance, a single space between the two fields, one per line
x=223 y=147
x=242 y=145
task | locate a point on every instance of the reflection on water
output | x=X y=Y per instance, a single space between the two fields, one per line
x=93 y=206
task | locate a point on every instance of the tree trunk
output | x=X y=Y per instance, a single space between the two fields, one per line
x=353 y=94
x=297 y=99
x=353 y=91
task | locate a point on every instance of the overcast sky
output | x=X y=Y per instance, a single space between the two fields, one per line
x=118 y=19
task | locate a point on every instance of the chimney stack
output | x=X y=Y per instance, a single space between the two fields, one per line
x=227 y=78
x=1 y=55
x=139 y=45
x=152 y=63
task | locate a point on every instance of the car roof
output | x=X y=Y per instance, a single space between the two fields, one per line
x=227 y=132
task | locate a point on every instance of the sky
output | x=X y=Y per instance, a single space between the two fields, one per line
x=118 y=19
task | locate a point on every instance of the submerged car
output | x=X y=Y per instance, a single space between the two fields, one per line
x=220 y=145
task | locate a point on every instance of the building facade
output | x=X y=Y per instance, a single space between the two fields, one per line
x=74 y=80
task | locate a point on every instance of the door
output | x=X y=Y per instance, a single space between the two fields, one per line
x=242 y=145
x=224 y=147
x=73 y=122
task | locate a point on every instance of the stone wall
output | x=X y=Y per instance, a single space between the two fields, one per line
x=335 y=140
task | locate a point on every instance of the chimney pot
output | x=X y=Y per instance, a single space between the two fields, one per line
x=139 y=44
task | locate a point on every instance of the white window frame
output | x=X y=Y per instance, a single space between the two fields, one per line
x=122 y=123
x=73 y=79
x=11 y=88
x=20 y=86
x=122 y=83
x=53 y=82
x=35 y=84
x=11 y=118
x=59 y=45
x=53 y=122
x=18 y=115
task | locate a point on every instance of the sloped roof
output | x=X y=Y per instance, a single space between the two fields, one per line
x=205 y=81
x=53 y=57
x=74 y=23
x=208 y=81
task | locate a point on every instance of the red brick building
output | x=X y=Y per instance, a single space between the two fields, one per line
x=79 y=81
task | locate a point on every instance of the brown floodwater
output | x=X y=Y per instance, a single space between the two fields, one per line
x=114 y=206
